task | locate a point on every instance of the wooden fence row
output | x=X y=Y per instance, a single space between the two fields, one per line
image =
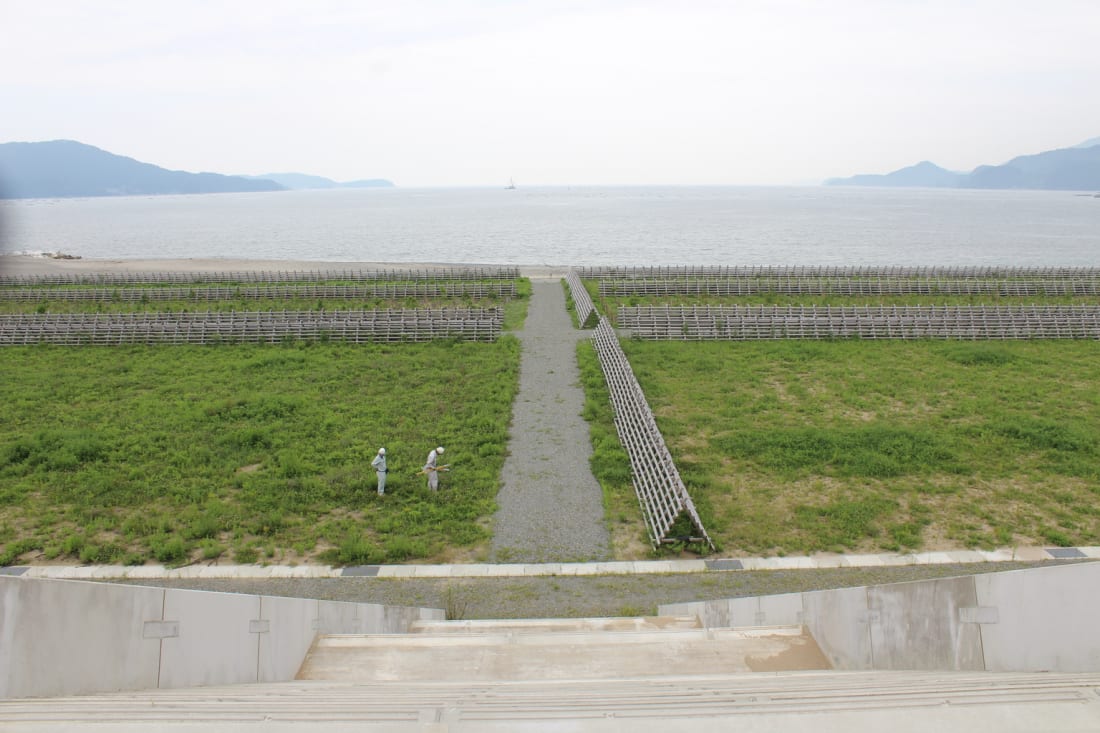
x=470 y=289
x=661 y=491
x=692 y=323
x=266 y=276
x=467 y=324
x=975 y=271
x=587 y=317
x=791 y=285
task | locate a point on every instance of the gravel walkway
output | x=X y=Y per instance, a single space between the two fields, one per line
x=551 y=506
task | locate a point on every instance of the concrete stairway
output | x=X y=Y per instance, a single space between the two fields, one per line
x=555 y=649
x=821 y=702
x=641 y=675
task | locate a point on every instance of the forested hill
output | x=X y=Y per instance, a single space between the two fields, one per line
x=1065 y=169
x=65 y=168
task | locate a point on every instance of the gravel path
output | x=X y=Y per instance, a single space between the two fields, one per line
x=551 y=506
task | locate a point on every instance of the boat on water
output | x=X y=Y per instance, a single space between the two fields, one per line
x=511 y=185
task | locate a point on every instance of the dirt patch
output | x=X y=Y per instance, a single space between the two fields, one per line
x=801 y=652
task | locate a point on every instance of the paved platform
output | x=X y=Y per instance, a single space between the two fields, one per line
x=638 y=567
x=556 y=649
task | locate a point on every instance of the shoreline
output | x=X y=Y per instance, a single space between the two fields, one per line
x=26 y=265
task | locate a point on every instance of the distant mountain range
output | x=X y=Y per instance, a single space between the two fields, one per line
x=1065 y=169
x=302 y=181
x=65 y=168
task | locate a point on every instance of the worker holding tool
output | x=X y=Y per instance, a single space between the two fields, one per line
x=432 y=468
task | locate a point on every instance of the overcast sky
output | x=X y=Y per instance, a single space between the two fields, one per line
x=474 y=92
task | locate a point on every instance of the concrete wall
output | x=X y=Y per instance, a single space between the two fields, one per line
x=64 y=637
x=1036 y=620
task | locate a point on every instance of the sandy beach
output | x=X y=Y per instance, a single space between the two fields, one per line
x=36 y=265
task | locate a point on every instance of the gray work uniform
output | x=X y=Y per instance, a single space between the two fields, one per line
x=379 y=464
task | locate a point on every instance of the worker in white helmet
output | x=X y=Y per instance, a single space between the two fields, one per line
x=379 y=464
x=432 y=468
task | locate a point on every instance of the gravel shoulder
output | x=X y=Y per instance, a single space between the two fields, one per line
x=578 y=596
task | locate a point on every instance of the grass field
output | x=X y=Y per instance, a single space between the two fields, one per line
x=127 y=454
x=251 y=453
x=261 y=453
x=795 y=447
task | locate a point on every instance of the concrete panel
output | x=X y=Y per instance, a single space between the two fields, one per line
x=916 y=626
x=692 y=608
x=838 y=621
x=336 y=617
x=288 y=636
x=781 y=610
x=215 y=645
x=65 y=637
x=1046 y=619
x=742 y=611
x=396 y=619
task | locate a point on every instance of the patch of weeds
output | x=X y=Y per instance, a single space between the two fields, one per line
x=211 y=549
x=354 y=549
x=168 y=549
x=1057 y=537
x=845 y=522
x=405 y=548
x=246 y=555
x=455 y=603
x=108 y=553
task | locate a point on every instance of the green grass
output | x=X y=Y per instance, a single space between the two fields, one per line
x=610 y=463
x=249 y=453
x=793 y=447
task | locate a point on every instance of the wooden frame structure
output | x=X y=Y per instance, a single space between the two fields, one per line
x=354 y=326
x=748 y=322
x=660 y=490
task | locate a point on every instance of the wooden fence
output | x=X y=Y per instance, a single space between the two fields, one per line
x=459 y=288
x=587 y=317
x=467 y=324
x=661 y=491
x=874 y=285
x=693 y=323
x=266 y=276
x=755 y=271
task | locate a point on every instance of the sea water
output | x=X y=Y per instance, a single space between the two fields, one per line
x=575 y=226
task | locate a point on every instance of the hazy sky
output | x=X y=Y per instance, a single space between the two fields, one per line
x=474 y=92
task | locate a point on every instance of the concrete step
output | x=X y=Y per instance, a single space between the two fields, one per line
x=529 y=625
x=559 y=649
x=822 y=702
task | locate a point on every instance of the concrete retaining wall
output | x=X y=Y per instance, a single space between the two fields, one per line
x=63 y=637
x=1036 y=620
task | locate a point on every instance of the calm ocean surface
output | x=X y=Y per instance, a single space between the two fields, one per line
x=575 y=226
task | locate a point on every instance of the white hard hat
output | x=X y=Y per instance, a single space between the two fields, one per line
x=381 y=451
x=439 y=449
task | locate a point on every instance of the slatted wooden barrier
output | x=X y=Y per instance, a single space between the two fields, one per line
x=661 y=491
x=587 y=316
x=692 y=323
x=267 y=276
x=838 y=271
x=791 y=285
x=468 y=324
x=458 y=288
